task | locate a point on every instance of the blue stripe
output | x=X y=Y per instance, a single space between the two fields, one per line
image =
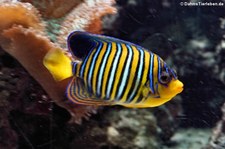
x=102 y=68
x=139 y=75
x=151 y=73
x=78 y=93
x=165 y=67
x=125 y=75
x=115 y=62
x=173 y=73
x=74 y=65
x=157 y=90
x=71 y=91
x=93 y=63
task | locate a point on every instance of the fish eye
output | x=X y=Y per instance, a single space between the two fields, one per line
x=164 y=78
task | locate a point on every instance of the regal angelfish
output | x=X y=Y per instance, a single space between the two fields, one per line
x=110 y=71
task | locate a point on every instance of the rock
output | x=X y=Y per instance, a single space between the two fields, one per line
x=122 y=128
x=2 y=84
x=133 y=129
x=190 y=138
x=217 y=140
x=113 y=135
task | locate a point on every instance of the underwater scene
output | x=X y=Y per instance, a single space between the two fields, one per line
x=112 y=74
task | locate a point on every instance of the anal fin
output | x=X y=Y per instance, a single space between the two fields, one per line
x=77 y=93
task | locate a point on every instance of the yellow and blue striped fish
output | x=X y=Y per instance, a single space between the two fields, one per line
x=111 y=71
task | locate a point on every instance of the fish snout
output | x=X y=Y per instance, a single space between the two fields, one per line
x=179 y=86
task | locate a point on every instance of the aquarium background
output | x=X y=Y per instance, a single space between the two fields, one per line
x=189 y=38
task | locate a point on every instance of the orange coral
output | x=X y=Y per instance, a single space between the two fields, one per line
x=18 y=13
x=54 y=8
x=86 y=17
x=29 y=48
x=22 y=36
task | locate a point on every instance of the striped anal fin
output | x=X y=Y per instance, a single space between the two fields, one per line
x=77 y=93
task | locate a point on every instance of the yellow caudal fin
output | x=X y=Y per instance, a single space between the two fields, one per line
x=58 y=64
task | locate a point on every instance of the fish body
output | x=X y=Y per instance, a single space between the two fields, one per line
x=111 y=71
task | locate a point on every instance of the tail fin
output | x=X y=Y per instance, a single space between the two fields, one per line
x=58 y=64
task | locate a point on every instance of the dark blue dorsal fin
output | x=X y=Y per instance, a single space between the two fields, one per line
x=80 y=43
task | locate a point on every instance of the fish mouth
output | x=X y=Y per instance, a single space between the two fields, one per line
x=179 y=86
x=180 y=89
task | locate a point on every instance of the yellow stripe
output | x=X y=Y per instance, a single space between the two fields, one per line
x=88 y=65
x=73 y=91
x=76 y=98
x=144 y=77
x=119 y=70
x=155 y=70
x=68 y=93
x=96 y=69
x=137 y=96
x=132 y=72
x=107 y=68
x=78 y=69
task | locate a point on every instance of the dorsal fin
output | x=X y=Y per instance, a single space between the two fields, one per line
x=80 y=43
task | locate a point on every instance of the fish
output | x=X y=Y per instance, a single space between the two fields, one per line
x=107 y=71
